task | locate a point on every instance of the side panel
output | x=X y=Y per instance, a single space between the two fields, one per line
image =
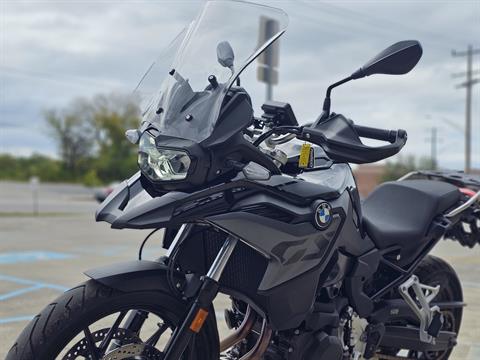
x=292 y=249
x=243 y=275
x=298 y=254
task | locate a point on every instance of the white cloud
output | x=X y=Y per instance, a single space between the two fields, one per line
x=52 y=51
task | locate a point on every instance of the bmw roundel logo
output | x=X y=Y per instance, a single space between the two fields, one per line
x=323 y=215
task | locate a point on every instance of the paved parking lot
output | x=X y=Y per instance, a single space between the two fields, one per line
x=41 y=256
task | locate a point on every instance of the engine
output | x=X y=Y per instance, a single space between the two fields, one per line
x=321 y=337
x=305 y=345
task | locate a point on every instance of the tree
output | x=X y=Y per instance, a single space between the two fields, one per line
x=73 y=132
x=117 y=157
x=404 y=165
x=91 y=137
x=23 y=168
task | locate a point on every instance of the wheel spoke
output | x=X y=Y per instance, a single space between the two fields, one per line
x=152 y=340
x=92 y=349
x=106 y=340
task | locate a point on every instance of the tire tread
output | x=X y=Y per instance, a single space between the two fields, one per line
x=47 y=329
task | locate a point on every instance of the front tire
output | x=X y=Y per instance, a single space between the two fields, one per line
x=51 y=331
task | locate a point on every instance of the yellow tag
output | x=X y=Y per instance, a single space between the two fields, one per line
x=304 y=156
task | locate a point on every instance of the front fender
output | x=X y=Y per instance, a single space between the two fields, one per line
x=143 y=275
x=134 y=276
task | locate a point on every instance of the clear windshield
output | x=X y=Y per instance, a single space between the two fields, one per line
x=176 y=94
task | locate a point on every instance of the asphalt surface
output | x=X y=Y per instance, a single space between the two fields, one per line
x=43 y=255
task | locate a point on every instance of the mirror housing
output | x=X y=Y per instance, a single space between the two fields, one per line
x=397 y=59
x=225 y=55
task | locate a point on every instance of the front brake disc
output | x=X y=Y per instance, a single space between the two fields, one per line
x=123 y=336
x=134 y=351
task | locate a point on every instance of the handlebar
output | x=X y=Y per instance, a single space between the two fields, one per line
x=378 y=134
x=340 y=138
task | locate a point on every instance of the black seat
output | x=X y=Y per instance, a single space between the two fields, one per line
x=400 y=212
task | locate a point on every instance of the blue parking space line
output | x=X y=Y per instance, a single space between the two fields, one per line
x=32 y=282
x=16 y=319
x=30 y=256
x=17 y=280
x=470 y=284
x=19 y=292
x=474 y=353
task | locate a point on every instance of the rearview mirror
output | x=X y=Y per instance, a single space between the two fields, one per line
x=225 y=54
x=397 y=59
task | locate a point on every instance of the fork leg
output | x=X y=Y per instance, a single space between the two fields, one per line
x=193 y=322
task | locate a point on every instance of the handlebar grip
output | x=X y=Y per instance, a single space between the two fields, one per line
x=378 y=134
x=349 y=148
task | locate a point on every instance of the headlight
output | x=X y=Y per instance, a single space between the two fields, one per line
x=161 y=163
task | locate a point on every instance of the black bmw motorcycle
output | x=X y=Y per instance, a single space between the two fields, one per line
x=313 y=272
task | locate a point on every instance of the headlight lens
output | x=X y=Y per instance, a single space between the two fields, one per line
x=162 y=164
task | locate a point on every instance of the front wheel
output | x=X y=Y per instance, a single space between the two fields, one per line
x=95 y=322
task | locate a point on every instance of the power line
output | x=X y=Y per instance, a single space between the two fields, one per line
x=71 y=80
x=453 y=125
x=374 y=22
x=434 y=140
x=468 y=84
x=462 y=74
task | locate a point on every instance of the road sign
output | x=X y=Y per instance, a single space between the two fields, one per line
x=34 y=181
x=267 y=71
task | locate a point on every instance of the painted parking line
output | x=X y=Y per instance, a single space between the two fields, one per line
x=19 y=292
x=470 y=284
x=31 y=256
x=22 y=281
x=33 y=286
x=474 y=353
x=8 y=320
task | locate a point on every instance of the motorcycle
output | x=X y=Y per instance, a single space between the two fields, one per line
x=313 y=272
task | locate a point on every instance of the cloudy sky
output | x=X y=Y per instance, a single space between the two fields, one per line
x=54 y=51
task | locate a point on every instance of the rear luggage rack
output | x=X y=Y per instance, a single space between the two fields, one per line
x=457 y=178
x=464 y=206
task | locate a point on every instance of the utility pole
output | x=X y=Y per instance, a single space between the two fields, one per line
x=468 y=84
x=433 y=140
x=433 y=149
x=267 y=69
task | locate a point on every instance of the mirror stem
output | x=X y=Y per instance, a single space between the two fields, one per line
x=327 y=101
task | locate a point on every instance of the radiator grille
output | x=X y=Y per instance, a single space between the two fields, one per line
x=244 y=270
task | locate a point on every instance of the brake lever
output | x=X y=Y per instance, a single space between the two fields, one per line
x=277 y=130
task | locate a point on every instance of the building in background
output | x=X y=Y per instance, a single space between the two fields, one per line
x=368 y=177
